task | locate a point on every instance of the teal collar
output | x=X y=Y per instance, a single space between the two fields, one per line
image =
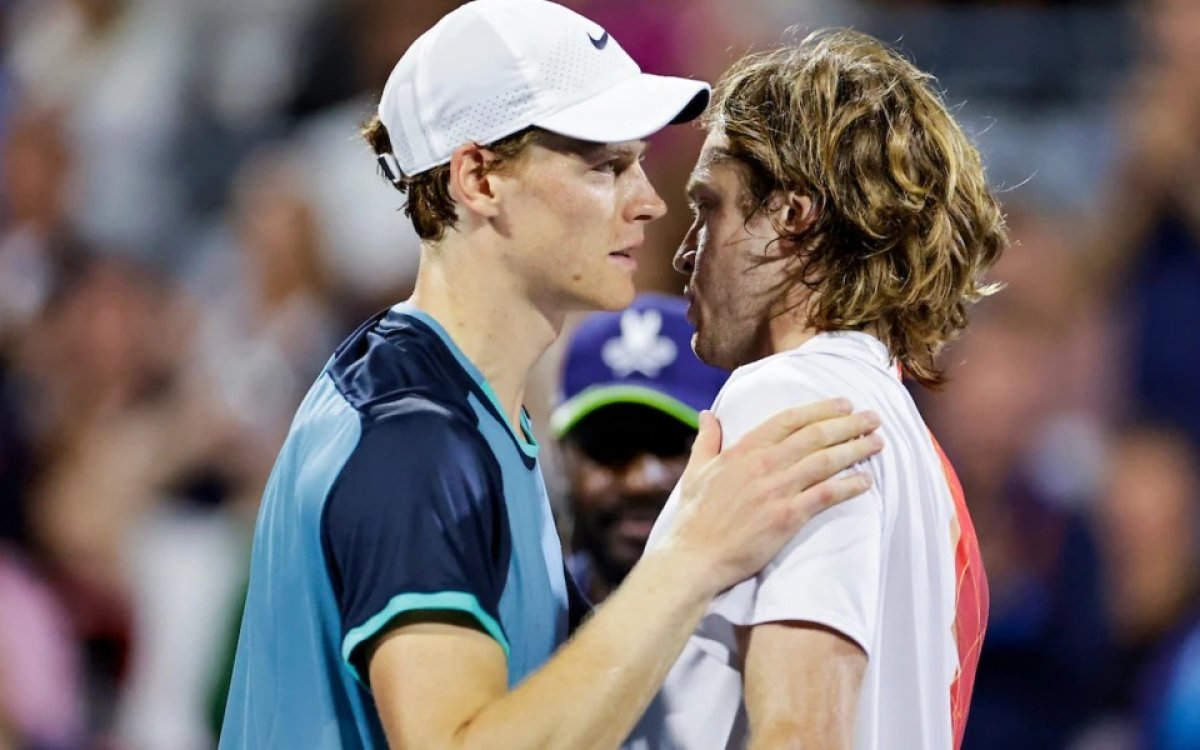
x=526 y=439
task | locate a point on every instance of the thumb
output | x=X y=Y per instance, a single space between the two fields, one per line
x=707 y=444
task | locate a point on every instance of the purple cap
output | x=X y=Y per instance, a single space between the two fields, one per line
x=642 y=355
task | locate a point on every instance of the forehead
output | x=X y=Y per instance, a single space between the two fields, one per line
x=716 y=167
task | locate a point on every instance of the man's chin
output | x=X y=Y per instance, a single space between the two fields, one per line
x=704 y=350
x=613 y=299
x=620 y=298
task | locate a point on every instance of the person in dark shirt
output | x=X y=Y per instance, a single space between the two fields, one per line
x=632 y=393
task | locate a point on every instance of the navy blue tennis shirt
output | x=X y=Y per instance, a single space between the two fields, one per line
x=401 y=487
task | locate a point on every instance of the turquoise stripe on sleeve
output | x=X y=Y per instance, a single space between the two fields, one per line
x=456 y=601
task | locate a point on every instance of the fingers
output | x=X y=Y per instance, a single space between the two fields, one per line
x=828 y=494
x=779 y=427
x=707 y=443
x=826 y=463
x=820 y=435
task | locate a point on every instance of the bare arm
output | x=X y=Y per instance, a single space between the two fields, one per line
x=444 y=686
x=802 y=683
x=440 y=686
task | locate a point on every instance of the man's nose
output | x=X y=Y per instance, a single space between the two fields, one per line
x=647 y=473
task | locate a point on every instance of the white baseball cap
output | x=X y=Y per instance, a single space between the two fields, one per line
x=492 y=68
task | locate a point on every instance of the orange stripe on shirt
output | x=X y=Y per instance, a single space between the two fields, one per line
x=971 y=603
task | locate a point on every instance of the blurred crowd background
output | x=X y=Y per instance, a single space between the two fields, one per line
x=188 y=225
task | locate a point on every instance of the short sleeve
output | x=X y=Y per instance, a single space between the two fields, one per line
x=829 y=572
x=416 y=522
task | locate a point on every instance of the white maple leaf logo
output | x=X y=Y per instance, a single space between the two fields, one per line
x=640 y=347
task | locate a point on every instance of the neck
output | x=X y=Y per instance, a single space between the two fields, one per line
x=787 y=331
x=790 y=329
x=487 y=315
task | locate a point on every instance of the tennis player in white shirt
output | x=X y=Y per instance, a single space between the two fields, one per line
x=842 y=228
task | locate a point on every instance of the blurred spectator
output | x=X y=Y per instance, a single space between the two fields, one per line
x=115 y=71
x=1149 y=522
x=262 y=297
x=264 y=328
x=39 y=253
x=371 y=251
x=41 y=700
x=246 y=64
x=632 y=392
x=1148 y=250
x=97 y=363
x=1027 y=481
x=41 y=679
x=39 y=246
x=252 y=57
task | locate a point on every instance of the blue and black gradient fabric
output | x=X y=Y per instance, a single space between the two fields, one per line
x=401 y=489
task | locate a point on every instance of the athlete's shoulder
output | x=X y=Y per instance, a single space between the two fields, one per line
x=425 y=426
x=396 y=365
x=843 y=355
x=853 y=366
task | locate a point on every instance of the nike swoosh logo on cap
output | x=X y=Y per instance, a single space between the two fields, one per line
x=600 y=43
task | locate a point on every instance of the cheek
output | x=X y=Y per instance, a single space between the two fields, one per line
x=594 y=482
x=716 y=252
x=675 y=467
x=573 y=202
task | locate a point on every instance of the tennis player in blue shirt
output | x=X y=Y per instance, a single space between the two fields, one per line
x=407 y=586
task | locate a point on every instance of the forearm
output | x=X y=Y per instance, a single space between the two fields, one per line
x=592 y=692
x=802 y=685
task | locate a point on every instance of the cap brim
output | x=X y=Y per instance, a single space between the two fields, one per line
x=572 y=411
x=632 y=110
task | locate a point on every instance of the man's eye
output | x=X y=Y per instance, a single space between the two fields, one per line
x=609 y=167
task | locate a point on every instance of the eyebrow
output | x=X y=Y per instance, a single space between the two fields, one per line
x=632 y=150
x=718 y=155
x=714 y=157
x=598 y=152
x=698 y=180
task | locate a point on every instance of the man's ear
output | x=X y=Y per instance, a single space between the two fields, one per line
x=471 y=185
x=799 y=213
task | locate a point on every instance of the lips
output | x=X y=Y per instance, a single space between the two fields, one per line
x=625 y=259
x=690 y=296
x=633 y=524
x=634 y=530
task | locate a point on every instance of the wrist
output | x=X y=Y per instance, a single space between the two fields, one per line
x=687 y=573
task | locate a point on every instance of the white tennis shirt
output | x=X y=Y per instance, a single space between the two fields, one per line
x=897 y=570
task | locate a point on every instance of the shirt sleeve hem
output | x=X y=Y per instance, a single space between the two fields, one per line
x=455 y=601
x=765 y=615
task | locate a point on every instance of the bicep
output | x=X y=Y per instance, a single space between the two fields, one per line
x=802 y=683
x=431 y=677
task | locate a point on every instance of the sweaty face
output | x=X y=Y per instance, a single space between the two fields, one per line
x=622 y=463
x=576 y=213
x=731 y=262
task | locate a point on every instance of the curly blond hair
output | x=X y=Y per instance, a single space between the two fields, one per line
x=904 y=224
